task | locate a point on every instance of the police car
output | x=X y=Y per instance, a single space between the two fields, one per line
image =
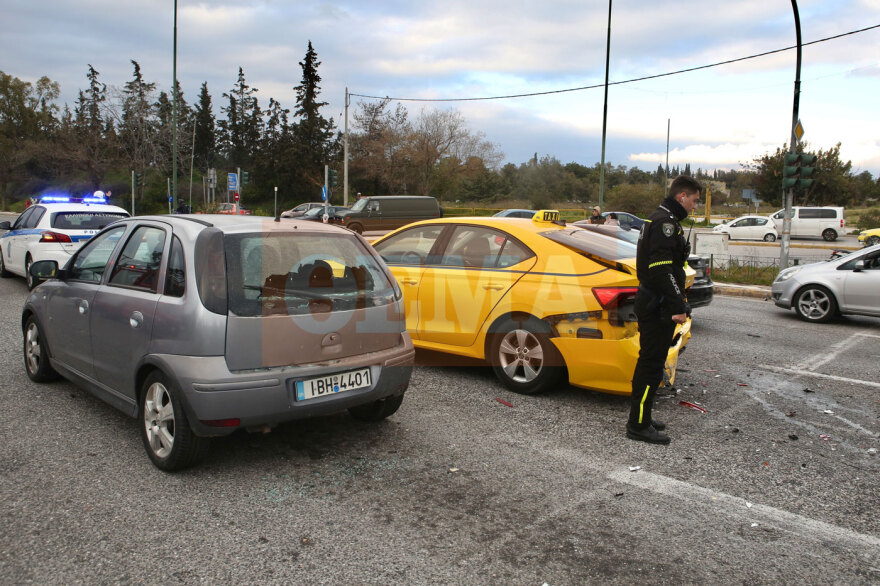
x=53 y=228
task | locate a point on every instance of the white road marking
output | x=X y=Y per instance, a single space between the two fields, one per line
x=809 y=373
x=737 y=507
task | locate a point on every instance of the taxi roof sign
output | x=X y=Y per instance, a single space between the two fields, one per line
x=547 y=217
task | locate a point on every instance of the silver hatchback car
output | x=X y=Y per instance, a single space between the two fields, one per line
x=202 y=325
x=820 y=291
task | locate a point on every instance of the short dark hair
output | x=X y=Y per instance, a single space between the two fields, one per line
x=689 y=185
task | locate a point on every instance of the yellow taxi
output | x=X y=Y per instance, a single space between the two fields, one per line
x=870 y=237
x=536 y=298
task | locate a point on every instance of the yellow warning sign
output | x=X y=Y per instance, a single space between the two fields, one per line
x=799 y=130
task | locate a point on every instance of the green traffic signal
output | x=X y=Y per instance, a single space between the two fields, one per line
x=245 y=178
x=138 y=179
x=797 y=169
x=334 y=177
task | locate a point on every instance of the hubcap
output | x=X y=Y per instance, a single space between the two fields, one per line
x=814 y=304
x=521 y=356
x=32 y=348
x=159 y=420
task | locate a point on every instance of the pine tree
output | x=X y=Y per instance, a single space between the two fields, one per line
x=206 y=130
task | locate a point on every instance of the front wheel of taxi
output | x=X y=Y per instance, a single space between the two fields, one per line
x=524 y=358
x=168 y=438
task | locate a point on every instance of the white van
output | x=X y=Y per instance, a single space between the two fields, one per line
x=808 y=222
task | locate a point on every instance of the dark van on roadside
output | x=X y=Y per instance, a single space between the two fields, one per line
x=389 y=212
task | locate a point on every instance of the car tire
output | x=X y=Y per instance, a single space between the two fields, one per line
x=872 y=240
x=829 y=235
x=523 y=356
x=815 y=303
x=168 y=438
x=36 y=353
x=769 y=237
x=31 y=282
x=3 y=272
x=356 y=228
x=377 y=410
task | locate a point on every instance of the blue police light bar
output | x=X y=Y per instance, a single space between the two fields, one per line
x=55 y=198
x=94 y=199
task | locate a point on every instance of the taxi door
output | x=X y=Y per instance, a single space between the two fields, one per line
x=457 y=294
x=407 y=253
x=124 y=308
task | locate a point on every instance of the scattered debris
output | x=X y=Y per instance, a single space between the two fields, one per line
x=618 y=494
x=735 y=430
x=809 y=391
x=872 y=451
x=717 y=376
x=453 y=470
x=791 y=414
x=709 y=370
x=634 y=468
x=754 y=335
x=748 y=505
x=825 y=436
x=742 y=384
x=692 y=406
x=792 y=436
x=754 y=524
x=503 y=402
x=828 y=412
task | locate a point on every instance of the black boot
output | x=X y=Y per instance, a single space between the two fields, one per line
x=658 y=425
x=647 y=434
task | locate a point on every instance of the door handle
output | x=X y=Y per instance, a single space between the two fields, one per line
x=83 y=306
x=410 y=281
x=494 y=286
x=136 y=319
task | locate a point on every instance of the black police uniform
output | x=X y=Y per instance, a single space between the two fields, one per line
x=662 y=253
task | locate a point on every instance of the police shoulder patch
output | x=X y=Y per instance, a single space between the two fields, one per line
x=668 y=229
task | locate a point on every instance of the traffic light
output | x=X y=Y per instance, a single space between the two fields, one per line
x=797 y=169
x=138 y=179
x=334 y=177
x=807 y=167
x=245 y=178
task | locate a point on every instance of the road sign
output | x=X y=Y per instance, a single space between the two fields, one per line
x=324 y=193
x=232 y=181
x=799 y=130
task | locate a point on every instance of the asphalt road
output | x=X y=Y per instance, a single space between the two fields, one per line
x=775 y=483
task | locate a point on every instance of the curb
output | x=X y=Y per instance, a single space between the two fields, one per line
x=732 y=290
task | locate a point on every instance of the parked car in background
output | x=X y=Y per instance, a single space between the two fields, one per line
x=749 y=228
x=334 y=214
x=813 y=222
x=52 y=229
x=388 y=212
x=625 y=220
x=514 y=213
x=538 y=300
x=699 y=293
x=820 y=291
x=203 y=325
x=870 y=237
x=233 y=209
x=302 y=208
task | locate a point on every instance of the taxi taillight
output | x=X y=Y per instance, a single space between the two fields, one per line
x=48 y=236
x=611 y=297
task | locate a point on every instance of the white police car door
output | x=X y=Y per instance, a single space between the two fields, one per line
x=15 y=241
x=124 y=307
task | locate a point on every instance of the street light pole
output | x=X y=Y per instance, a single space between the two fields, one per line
x=605 y=111
x=788 y=194
x=174 y=112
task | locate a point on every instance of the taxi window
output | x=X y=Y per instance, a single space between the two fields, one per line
x=139 y=262
x=586 y=242
x=409 y=247
x=92 y=258
x=472 y=246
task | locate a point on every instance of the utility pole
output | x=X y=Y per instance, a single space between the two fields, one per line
x=789 y=193
x=605 y=111
x=173 y=189
x=345 y=153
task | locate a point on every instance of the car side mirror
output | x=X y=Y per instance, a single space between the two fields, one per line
x=859 y=266
x=5 y=226
x=43 y=270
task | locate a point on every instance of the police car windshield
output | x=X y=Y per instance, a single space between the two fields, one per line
x=593 y=244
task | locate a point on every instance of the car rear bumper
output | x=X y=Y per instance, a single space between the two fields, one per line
x=263 y=397
x=607 y=365
x=700 y=294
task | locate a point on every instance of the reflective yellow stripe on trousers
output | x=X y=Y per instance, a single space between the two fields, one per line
x=642 y=404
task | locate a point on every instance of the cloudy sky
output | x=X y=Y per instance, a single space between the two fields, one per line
x=719 y=117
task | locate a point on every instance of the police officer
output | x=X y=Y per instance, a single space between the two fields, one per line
x=660 y=302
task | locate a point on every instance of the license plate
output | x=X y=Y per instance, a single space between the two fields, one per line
x=321 y=386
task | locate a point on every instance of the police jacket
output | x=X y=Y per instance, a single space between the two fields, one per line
x=660 y=261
